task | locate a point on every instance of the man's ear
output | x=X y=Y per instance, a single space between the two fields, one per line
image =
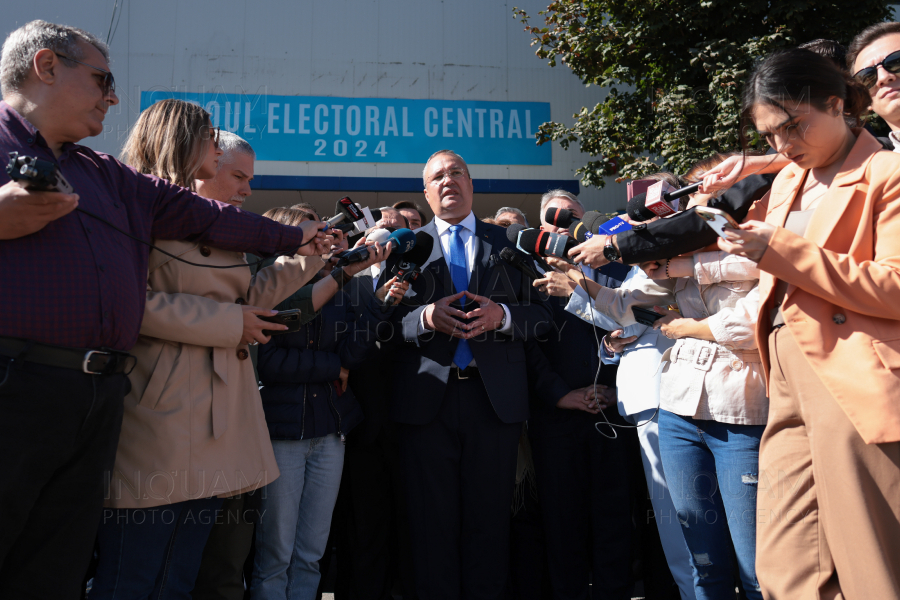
x=44 y=65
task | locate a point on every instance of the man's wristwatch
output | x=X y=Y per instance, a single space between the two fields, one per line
x=610 y=252
x=503 y=320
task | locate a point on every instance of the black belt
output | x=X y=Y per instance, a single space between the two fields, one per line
x=467 y=373
x=92 y=362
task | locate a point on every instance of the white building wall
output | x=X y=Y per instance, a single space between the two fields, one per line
x=417 y=49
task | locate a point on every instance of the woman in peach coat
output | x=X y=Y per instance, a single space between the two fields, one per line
x=827 y=241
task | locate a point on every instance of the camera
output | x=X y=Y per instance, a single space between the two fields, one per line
x=37 y=174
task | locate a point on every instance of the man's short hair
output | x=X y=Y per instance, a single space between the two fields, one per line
x=830 y=49
x=513 y=210
x=22 y=44
x=869 y=35
x=229 y=143
x=407 y=205
x=448 y=153
x=385 y=209
x=307 y=207
x=546 y=198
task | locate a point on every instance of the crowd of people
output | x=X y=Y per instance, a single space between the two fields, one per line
x=478 y=430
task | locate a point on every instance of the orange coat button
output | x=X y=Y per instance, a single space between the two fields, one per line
x=242 y=354
x=205 y=251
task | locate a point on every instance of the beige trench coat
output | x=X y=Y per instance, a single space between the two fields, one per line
x=194 y=425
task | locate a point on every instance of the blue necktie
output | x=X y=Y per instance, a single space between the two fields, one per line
x=459 y=272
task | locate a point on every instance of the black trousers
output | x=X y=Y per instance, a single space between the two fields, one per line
x=583 y=482
x=221 y=574
x=59 y=429
x=376 y=556
x=459 y=472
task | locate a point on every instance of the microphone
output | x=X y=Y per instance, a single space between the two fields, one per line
x=519 y=261
x=400 y=241
x=592 y=224
x=379 y=235
x=512 y=234
x=588 y=226
x=410 y=267
x=560 y=217
x=346 y=209
x=544 y=243
x=658 y=201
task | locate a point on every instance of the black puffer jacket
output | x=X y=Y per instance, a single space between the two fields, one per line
x=299 y=372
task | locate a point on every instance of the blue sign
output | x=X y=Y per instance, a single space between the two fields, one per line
x=376 y=130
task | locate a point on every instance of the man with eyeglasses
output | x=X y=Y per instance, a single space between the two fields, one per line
x=73 y=297
x=460 y=392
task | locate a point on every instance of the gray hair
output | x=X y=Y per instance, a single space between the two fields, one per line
x=22 y=44
x=229 y=143
x=448 y=153
x=513 y=210
x=546 y=198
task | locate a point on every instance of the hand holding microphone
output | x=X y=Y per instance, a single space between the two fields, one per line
x=315 y=241
x=400 y=241
x=392 y=291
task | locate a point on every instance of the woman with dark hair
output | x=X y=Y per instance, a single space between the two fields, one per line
x=829 y=335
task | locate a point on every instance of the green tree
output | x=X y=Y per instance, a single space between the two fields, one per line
x=673 y=71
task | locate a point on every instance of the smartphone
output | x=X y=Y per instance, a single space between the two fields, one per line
x=291 y=318
x=645 y=316
x=717 y=219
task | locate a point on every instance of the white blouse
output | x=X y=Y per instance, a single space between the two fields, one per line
x=721 y=380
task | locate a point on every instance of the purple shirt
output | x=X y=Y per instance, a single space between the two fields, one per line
x=79 y=283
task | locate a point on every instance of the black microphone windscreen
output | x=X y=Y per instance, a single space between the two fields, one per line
x=376 y=213
x=593 y=220
x=509 y=255
x=512 y=232
x=637 y=209
x=421 y=251
x=528 y=240
x=560 y=217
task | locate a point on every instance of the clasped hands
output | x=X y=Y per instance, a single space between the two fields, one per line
x=442 y=317
x=591 y=399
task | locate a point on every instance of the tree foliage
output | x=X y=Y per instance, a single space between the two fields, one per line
x=673 y=70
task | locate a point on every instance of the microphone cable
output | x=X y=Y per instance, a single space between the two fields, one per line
x=605 y=421
x=187 y=262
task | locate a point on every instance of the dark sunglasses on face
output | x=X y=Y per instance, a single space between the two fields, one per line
x=869 y=75
x=212 y=132
x=109 y=82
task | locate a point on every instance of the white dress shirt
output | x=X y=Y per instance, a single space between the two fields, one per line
x=467 y=234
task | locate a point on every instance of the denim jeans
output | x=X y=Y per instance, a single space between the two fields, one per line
x=712 y=470
x=295 y=518
x=152 y=552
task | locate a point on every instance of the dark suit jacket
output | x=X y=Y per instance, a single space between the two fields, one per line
x=371 y=380
x=566 y=359
x=421 y=365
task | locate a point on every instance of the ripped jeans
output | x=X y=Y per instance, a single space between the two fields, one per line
x=712 y=470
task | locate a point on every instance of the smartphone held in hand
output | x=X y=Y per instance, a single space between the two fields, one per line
x=291 y=318
x=717 y=219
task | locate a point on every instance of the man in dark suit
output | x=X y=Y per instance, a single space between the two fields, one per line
x=374 y=545
x=460 y=392
x=582 y=474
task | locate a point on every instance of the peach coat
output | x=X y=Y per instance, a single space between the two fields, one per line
x=193 y=425
x=843 y=302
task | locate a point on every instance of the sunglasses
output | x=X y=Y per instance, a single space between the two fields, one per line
x=869 y=75
x=213 y=133
x=108 y=85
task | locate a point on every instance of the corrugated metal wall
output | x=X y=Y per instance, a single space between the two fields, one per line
x=420 y=49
